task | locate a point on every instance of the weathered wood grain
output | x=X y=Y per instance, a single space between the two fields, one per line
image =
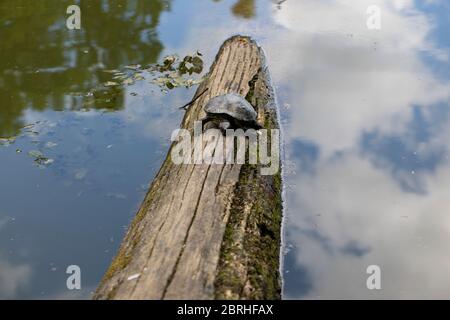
x=208 y=231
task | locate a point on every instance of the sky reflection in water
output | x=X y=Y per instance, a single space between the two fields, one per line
x=365 y=118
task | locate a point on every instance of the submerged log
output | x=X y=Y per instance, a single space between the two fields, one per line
x=208 y=231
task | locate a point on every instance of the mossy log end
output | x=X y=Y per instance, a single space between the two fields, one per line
x=208 y=231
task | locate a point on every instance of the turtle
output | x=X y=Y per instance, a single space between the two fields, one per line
x=230 y=111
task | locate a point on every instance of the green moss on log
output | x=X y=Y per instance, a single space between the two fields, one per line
x=249 y=259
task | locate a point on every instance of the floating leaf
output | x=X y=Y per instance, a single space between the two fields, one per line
x=39 y=158
x=120 y=77
x=170 y=59
x=133 y=67
x=88 y=103
x=138 y=77
x=152 y=68
x=35 y=153
x=170 y=85
x=111 y=71
x=46 y=161
x=191 y=64
x=28 y=126
x=168 y=63
x=198 y=64
x=7 y=141
x=128 y=81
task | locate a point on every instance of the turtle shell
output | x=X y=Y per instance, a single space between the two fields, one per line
x=233 y=105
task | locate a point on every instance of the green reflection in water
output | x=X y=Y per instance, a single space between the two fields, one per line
x=45 y=65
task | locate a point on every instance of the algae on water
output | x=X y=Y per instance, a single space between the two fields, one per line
x=171 y=73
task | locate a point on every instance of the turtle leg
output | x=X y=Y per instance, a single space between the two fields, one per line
x=257 y=126
x=232 y=123
x=205 y=121
x=223 y=126
x=210 y=125
x=252 y=125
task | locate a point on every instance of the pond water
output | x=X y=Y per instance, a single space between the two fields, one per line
x=365 y=120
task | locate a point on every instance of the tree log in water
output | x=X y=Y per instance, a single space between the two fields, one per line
x=208 y=231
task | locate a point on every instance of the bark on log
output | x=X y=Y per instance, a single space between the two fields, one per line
x=208 y=231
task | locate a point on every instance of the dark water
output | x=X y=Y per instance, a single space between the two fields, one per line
x=365 y=116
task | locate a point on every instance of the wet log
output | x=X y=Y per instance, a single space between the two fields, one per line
x=208 y=231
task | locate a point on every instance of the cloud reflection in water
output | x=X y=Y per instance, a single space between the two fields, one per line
x=367 y=133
